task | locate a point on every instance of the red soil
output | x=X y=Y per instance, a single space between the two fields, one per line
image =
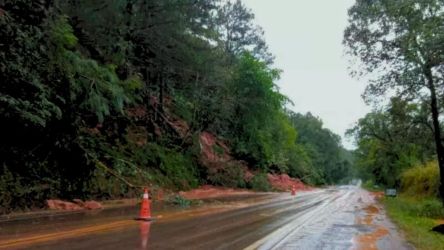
x=216 y=160
x=208 y=142
x=368 y=241
x=73 y=206
x=284 y=182
x=208 y=191
x=377 y=195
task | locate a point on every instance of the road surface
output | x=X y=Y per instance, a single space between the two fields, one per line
x=344 y=217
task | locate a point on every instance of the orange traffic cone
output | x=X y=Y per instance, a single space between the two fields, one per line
x=293 y=190
x=145 y=209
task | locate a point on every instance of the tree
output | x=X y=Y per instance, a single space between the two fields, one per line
x=238 y=33
x=391 y=140
x=25 y=95
x=323 y=146
x=51 y=91
x=400 y=44
x=98 y=91
x=257 y=109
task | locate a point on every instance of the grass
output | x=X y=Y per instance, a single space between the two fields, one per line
x=371 y=186
x=416 y=217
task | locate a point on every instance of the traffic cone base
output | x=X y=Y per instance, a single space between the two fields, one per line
x=145 y=219
x=145 y=208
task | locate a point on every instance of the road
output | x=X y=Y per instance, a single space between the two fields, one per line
x=336 y=218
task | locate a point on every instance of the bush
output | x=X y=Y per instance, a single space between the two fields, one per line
x=428 y=208
x=229 y=175
x=431 y=208
x=416 y=217
x=24 y=193
x=10 y=187
x=260 y=183
x=422 y=180
x=371 y=186
x=167 y=167
x=180 y=201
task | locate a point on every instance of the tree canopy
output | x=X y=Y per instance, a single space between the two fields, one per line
x=400 y=47
x=99 y=97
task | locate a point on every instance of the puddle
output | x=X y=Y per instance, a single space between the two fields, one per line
x=369 y=240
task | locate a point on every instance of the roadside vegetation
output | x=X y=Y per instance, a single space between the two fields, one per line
x=412 y=215
x=417 y=210
x=399 y=47
x=99 y=98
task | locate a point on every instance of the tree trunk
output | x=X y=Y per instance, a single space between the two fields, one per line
x=437 y=129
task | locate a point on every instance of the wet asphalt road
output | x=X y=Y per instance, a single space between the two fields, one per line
x=335 y=218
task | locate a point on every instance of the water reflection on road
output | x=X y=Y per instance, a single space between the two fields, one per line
x=319 y=219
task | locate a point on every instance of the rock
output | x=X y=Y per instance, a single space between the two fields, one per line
x=439 y=229
x=92 y=205
x=62 y=205
x=79 y=202
x=50 y=204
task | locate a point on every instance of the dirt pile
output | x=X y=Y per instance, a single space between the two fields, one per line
x=208 y=191
x=222 y=168
x=213 y=151
x=284 y=182
x=73 y=206
x=215 y=155
x=378 y=195
x=62 y=205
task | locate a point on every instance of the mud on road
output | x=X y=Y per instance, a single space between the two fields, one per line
x=335 y=218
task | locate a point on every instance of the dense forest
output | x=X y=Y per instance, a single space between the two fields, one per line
x=98 y=98
x=399 y=47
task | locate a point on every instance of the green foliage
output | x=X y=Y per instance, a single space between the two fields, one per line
x=431 y=208
x=98 y=86
x=372 y=187
x=218 y=150
x=164 y=166
x=260 y=183
x=103 y=185
x=328 y=159
x=25 y=92
x=421 y=180
x=10 y=188
x=62 y=34
x=392 y=140
x=100 y=96
x=230 y=175
x=177 y=167
x=180 y=201
x=239 y=34
x=399 y=46
x=415 y=218
x=252 y=131
x=16 y=191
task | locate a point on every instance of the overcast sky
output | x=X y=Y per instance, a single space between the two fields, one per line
x=306 y=38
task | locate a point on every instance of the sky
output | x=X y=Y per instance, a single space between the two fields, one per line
x=306 y=38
